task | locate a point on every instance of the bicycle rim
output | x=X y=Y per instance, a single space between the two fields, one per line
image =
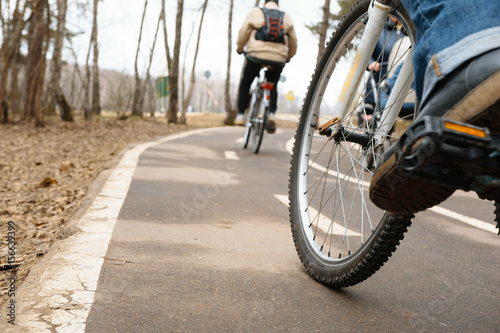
x=340 y=236
x=260 y=119
x=248 y=131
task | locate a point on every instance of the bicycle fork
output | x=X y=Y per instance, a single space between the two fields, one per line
x=377 y=18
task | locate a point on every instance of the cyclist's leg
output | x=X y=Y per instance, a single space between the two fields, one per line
x=457 y=76
x=370 y=96
x=273 y=76
x=442 y=27
x=250 y=72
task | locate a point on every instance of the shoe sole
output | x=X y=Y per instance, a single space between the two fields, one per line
x=402 y=195
x=271 y=127
x=406 y=196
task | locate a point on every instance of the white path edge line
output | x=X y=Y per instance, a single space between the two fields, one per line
x=436 y=209
x=70 y=280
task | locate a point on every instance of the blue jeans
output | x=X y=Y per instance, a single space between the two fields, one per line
x=449 y=33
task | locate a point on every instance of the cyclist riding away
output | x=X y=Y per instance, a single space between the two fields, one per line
x=270 y=39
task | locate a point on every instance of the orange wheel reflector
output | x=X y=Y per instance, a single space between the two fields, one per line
x=334 y=121
x=465 y=129
x=267 y=85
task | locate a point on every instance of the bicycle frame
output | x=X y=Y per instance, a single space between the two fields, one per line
x=378 y=16
x=266 y=88
x=263 y=87
x=258 y=121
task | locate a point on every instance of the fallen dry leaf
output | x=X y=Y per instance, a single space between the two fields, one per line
x=47 y=182
x=66 y=165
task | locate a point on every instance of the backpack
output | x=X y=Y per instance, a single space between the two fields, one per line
x=272 y=30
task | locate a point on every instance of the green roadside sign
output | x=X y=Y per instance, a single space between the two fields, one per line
x=162 y=87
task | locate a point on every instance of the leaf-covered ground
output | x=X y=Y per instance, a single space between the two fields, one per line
x=45 y=174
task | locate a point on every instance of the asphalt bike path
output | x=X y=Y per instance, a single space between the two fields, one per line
x=191 y=234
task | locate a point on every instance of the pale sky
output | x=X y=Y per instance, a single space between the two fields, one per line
x=119 y=22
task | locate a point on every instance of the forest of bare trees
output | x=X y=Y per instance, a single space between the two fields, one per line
x=36 y=84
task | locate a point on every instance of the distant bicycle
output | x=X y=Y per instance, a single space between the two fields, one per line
x=258 y=113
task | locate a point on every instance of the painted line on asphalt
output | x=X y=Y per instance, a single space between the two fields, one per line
x=322 y=221
x=231 y=155
x=465 y=219
x=436 y=209
x=65 y=292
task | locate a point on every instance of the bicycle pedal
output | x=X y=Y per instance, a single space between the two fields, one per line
x=432 y=140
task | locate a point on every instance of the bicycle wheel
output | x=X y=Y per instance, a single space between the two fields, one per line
x=340 y=236
x=248 y=127
x=259 y=122
x=249 y=116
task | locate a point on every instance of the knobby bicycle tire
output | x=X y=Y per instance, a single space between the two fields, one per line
x=325 y=199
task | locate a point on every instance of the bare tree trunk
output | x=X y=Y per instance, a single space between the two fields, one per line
x=230 y=112
x=1 y=19
x=324 y=28
x=165 y=36
x=9 y=48
x=76 y=72
x=73 y=83
x=54 y=93
x=87 y=111
x=151 y=97
x=137 y=103
x=174 y=70
x=15 y=91
x=47 y=24
x=148 y=77
x=182 y=80
x=167 y=49
x=35 y=62
x=96 y=96
x=189 y=95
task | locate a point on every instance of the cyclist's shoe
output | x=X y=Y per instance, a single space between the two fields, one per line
x=271 y=123
x=240 y=120
x=469 y=95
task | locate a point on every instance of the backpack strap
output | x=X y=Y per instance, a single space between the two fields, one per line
x=262 y=32
x=265 y=33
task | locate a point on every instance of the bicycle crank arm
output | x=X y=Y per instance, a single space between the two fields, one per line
x=333 y=130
